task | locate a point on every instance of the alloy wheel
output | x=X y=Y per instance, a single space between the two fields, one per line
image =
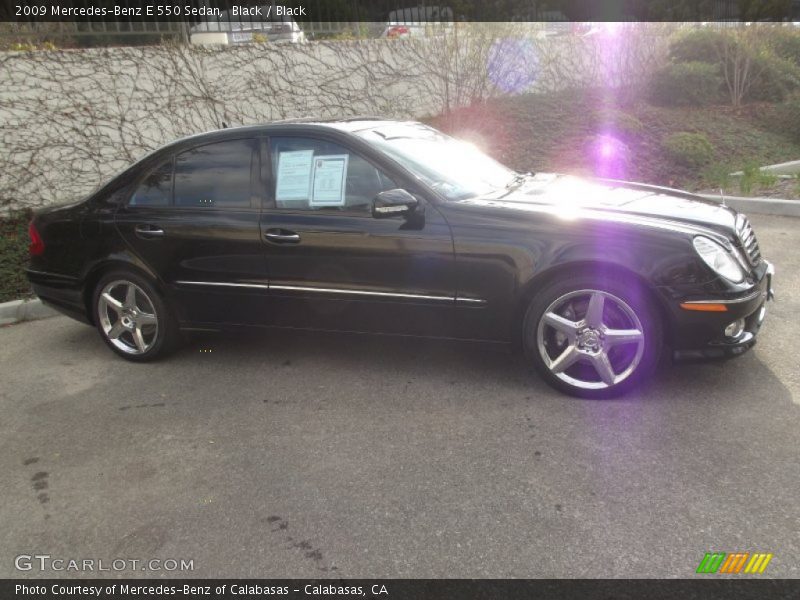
x=590 y=339
x=127 y=317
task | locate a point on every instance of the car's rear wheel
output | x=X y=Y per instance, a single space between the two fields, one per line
x=593 y=337
x=132 y=317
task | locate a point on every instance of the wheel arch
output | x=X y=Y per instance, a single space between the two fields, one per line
x=99 y=270
x=591 y=268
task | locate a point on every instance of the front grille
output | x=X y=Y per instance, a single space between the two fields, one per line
x=748 y=239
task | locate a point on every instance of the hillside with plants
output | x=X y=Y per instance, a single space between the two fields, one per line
x=726 y=101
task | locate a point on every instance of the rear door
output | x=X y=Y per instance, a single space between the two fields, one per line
x=194 y=219
x=332 y=265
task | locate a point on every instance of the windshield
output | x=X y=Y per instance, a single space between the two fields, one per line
x=455 y=169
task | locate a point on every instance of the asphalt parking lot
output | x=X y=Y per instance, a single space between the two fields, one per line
x=311 y=455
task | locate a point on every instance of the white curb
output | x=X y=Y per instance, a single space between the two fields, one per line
x=17 y=311
x=764 y=206
x=788 y=169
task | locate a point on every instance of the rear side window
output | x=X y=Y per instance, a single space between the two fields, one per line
x=214 y=175
x=156 y=189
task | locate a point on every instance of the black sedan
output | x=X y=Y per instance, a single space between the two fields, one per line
x=390 y=227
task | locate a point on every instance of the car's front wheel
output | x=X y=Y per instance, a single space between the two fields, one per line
x=593 y=337
x=132 y=317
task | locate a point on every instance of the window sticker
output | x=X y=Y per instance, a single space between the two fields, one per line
x=329 y=180
x=294 y=175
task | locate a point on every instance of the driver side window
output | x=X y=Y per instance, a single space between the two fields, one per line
x=314 y=174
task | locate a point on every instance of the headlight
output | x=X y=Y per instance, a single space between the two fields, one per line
x=719 y=259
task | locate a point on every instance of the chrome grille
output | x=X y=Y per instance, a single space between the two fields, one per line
x=747 y=237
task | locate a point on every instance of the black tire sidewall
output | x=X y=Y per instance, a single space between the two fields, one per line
x=166 y=326
x=632 y=294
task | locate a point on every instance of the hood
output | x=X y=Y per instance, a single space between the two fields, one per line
x=615 y=199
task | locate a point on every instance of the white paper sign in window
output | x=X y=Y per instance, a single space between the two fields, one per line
x=329 y=180
x=294 y=175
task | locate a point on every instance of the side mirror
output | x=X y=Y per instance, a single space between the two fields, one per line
x=392 y=203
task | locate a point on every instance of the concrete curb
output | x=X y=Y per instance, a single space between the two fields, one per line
x=764 y=206
x=788 y=169
x=17 y=311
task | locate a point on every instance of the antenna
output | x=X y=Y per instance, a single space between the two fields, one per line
x=722 y=195
x=224 y=125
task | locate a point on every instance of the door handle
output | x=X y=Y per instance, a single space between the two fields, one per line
x=146 y=231
x=281 y=236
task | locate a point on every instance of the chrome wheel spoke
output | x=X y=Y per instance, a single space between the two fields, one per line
x=112 y=303
x=130 y=296
x=565 y=360
x=116 y=330
x=614 y=337
x=594 y=312
x=603 y=367
x=146 y=319
x=138 y=339
x=562 y=324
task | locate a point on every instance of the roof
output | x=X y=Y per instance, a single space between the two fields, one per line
x=346 y=125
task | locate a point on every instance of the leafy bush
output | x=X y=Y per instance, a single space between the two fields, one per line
x=688 y=149
x=785 y=43
x=685 y=84
x=718 y=175
x=766 y=64
x=752 y=175
x=784 y=118
x=775 y=78
x=698 y=45
x=14 y=256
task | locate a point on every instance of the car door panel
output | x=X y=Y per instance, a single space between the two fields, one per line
x=338 y=268
x=362 y=274
x=209 y=257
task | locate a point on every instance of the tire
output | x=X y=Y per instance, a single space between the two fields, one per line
x=138 y=327
x=593 y=336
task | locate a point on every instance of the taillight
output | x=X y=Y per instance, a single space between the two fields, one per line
x=37 y=243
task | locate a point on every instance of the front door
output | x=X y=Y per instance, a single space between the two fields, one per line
x=194 y=220
x=332 y=265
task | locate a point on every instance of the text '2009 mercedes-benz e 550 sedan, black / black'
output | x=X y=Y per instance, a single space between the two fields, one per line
x=365 y=225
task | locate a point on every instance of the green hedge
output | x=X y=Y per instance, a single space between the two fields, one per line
x=774 y=55
x=685 y=84
x=688 y=149
x=785 y=43
x=14 y=256
x=698 y=45
x=777 y=78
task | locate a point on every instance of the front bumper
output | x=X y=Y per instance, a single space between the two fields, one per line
x=701 y=335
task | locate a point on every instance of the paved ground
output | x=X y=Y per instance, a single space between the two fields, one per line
x=312 y=455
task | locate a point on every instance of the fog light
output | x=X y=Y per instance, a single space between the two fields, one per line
x=735 y=329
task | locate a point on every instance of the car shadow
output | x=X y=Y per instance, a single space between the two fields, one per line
x=475 y=366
